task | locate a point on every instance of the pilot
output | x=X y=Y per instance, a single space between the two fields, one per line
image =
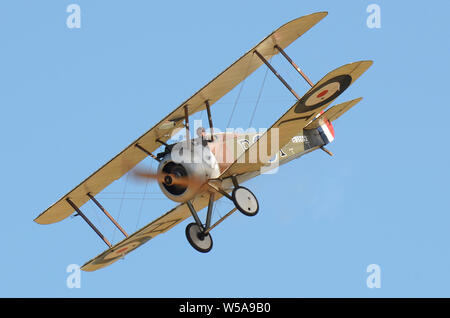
x=201 y=133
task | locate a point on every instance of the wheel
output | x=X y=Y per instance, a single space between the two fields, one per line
x=201 y=242
x=245 y=201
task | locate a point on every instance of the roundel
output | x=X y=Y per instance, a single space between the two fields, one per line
x=122 y=250
x=324 y=93
x=119 y=252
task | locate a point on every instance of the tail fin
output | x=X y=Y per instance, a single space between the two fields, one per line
x=326 y=130
x=323 y=121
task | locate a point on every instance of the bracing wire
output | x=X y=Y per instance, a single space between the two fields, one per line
x=216 y=209
x=235 y=103
x=240 y=91
x=143 y=200
x=258 y=98
x=97 y=214
x=121 y=203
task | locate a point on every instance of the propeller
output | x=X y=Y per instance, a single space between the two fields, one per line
x=168 y=179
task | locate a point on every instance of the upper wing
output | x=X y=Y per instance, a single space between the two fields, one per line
x=319 y=97
x=211 y=92
x=156 y=227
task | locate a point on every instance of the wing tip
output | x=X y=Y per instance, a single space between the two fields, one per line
x=369 y=63
x=43 y=221
x=85 y=268
x=38 y=220
x=320 y=14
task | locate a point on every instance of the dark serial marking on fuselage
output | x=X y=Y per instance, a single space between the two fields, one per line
x=344 y=82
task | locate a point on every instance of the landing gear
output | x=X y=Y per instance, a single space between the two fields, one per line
x=198 y=239
x=198 y=233
x=245 y=201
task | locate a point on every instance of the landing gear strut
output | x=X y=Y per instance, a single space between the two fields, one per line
x=198 y=234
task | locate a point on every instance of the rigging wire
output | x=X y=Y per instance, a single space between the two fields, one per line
x=216 y=209
x=240 y=91
x=96 y=213
x=121 y=204
x=288 y=71
x=143 y=198
x=258 y=98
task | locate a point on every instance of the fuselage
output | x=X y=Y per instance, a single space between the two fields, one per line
x=205 y=158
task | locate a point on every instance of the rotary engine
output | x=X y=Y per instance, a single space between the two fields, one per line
x=194 y=165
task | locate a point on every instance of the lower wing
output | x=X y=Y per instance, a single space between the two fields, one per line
x=151 y=230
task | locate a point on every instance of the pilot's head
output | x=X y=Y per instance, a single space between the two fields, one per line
x=201 y=132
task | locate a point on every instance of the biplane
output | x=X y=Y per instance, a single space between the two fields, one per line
x=198 y=171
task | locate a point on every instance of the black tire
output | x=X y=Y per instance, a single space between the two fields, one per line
x=249 y=210
x=199 y=241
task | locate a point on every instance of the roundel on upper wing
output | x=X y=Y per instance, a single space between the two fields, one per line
x=324 y=93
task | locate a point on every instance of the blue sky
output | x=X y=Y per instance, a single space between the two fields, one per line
x=71 y=99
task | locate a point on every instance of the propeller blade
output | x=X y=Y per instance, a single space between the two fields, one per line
x=167 y=178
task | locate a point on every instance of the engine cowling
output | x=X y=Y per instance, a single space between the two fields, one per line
x=201 y=165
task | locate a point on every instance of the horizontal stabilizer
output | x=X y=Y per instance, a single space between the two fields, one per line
x=333 y=113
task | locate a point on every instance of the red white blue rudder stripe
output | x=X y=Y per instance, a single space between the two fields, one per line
x=326 y=131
